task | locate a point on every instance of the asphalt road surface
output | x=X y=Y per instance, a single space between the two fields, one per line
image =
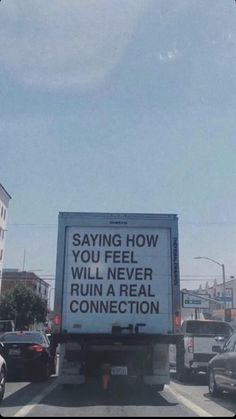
x=50 y=399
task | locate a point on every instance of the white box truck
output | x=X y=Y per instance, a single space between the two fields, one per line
x=117 y=297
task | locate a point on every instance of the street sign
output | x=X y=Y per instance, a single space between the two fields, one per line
x=194 y=301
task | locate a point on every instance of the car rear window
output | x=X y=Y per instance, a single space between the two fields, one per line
x=208 y=328
x=23 y=337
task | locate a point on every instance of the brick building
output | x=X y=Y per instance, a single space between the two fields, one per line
x=13 y=277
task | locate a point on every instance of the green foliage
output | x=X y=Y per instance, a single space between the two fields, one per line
x=23 y=306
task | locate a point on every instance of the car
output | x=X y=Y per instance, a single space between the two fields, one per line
x=222 y=368
x=3 y=372
x=29 y=353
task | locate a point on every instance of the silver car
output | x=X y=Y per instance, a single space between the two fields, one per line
x=3 y=373
x=222 y=368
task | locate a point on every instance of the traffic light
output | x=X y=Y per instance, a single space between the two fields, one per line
x=228 y=314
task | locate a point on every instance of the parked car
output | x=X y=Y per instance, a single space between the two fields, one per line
x=194 y=351
x=222 y=368
x=29 y=353
x=3 y=372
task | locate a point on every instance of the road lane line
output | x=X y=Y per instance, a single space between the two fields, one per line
x=35 y=401
x=190 y=405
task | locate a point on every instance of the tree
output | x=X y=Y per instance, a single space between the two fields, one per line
x=23 y=306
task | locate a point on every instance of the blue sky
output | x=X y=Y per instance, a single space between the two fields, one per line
x=119 y=106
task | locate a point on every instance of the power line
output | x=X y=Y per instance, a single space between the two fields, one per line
x=180 y=223
x=32 y=225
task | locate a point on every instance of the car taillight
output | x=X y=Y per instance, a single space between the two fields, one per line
x=36 y=348
x=190 y=345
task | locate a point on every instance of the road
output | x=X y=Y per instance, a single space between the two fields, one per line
x=50 y=399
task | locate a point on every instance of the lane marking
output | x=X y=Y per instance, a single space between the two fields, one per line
x=190 y=405
x=36 y=400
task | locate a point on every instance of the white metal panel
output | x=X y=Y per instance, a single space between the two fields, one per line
x=117 y=276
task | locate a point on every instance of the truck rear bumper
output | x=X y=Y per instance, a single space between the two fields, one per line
x=111 y=338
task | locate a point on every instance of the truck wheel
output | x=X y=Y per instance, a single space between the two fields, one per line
x=213 y=388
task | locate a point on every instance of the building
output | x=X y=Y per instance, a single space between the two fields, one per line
x=13 y=277
x=215 y=294
x=4 y=203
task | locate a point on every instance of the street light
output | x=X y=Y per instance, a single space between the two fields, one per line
x=223 y=276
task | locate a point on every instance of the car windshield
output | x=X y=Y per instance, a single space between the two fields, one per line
x=208 y=328
x=23 y=337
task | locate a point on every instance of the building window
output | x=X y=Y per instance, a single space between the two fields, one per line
x=1 y=253
x=1 y=211
x=5 y=214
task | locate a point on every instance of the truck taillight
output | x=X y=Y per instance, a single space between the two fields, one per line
x=177 y=319
x=190 y=345
x=56 y=320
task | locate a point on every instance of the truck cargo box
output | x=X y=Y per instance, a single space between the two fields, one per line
x=117 y=271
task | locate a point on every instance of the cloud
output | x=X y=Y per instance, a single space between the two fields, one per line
x=66 y=44
x=170 y=55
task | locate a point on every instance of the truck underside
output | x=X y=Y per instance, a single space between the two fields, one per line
x=142 y=359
